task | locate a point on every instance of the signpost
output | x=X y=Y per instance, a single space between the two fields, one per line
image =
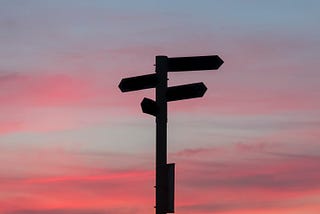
x=159 y=80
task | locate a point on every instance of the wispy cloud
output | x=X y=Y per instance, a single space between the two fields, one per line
x=57 y=211
x=113 y=192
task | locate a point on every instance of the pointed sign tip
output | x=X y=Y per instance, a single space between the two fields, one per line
x=138 y=83
x=120 y=86
x=194 y=63
x=220 y=61
x=188 y=91
x=149 y=106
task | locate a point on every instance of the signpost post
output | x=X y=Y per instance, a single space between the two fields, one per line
x=159 y=80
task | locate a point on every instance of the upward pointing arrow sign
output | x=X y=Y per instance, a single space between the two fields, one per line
x=194 y=63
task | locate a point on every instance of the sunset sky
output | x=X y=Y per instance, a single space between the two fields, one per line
x=72 y=143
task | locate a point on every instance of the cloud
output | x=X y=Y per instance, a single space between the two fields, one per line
x=247 y=183
x=57 y=211
x=43 y=90
x=112 y=192
x=197 y=151
x=203 y=185
x=248 y=206
x=10 y=126
x=35 y=101
x=288 y=173
x=118 y=210
x=111 y=176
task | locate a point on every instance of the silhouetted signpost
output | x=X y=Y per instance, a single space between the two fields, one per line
x=164 y=171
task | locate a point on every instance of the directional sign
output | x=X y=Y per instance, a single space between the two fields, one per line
x=165 y=173
x=186 y=91
x=149 y=106
x=194 y=63
x=138 y=83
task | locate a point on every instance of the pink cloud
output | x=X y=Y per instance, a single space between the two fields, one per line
x=114 y=190
x=268 y=175
x=271 y=186
x=112 y=176
x=10 y=126
x=50 y=179
x=43 y=90
x=197 y=151
x=49 y=102
x=64 y=89
x=204 y=183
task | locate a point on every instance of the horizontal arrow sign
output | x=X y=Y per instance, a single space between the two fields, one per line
x=149 y=106
x=194 y=63
x=186 y=91
x=138 y=83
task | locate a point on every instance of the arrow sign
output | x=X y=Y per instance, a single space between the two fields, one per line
x=189 y=91
x=149 y=106
x=194 y=63
x=138 y=83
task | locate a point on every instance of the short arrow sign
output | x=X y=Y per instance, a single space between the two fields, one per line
x=138 y=83
x=186 y=91
x=149 y=106
x=194 y=63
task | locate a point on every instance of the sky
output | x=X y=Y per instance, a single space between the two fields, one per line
x=72 y=143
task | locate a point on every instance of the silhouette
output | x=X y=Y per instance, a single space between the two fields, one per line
x=158 y=108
